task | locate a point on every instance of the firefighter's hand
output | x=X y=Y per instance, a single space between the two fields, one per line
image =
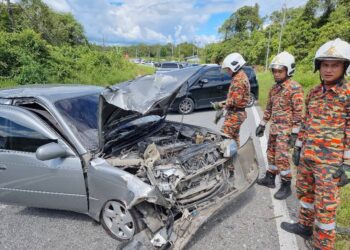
x=218 y=115
x=343 y=173
x=260 y=131
x=296 y=155
x=292 y=139
x=217 y=105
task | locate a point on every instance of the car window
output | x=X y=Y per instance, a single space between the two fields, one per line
x=15 y=135
x=169 y=65
x=212 y=73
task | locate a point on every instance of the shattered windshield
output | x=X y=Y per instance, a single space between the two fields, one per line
x=81 y=115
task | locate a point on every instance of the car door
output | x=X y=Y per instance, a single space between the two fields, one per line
x=208 y=88
x=57 y=183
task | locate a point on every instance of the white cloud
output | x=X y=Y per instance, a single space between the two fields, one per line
x=153 y=21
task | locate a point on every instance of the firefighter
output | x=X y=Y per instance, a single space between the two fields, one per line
x=322 y=151
x=237 y=96
x=284 y=108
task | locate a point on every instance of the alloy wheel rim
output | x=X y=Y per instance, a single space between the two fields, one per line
x=185 y=106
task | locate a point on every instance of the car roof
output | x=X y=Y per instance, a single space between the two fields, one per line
x=50 y=92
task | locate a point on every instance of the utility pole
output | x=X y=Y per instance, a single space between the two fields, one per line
x=158 y=52
x=282 y=26
x=172 y=52
x=268 y=50
x=9 y=9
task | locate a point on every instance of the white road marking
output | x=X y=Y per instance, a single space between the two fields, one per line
x=287 y=240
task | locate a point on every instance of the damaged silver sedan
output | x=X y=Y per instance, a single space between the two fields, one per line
x=111 y=154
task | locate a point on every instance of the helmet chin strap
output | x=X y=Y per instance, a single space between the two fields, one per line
x=339 y=81
x=235 y=73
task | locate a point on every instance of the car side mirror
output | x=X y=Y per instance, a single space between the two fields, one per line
x=51 y=151
x=203 y=81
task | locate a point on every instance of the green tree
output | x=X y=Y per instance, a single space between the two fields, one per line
x=244 y=19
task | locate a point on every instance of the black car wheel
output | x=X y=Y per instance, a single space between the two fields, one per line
x=186 y=106
x=120 y=223
x=251 y=100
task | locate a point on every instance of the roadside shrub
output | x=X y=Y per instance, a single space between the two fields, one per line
x=31 y=72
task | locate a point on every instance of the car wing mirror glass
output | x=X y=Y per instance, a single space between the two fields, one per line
x=51 y=151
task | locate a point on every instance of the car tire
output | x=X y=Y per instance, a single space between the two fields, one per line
x=251 y=100
x=120 y=223
x=186 y=106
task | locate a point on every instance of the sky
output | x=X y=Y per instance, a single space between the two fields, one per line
x=125 y=22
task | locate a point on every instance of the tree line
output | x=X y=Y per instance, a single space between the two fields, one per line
x=39 y=45
x=303 y=31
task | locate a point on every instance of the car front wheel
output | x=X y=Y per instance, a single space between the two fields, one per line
x=186 y=106
x=251 y=100
x=119 y=222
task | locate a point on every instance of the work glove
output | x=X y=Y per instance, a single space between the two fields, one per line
x=296 y=155
x=218 y=115
x=216 y=105
x=292 y=139
x=260 y=131
x=343 y=173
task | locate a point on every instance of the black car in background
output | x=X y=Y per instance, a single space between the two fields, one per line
x=210 y=84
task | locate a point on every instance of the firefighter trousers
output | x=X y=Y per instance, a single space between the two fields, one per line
x=278 y=156
x=232 y=124
x=318 y=194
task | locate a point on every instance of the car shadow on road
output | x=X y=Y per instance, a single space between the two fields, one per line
x=173 y=112
x=238 y=203
x=54 y=214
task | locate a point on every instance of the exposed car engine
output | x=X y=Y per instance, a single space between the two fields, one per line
x=186 y=164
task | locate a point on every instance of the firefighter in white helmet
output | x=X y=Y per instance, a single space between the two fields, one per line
x=237 y=96
x=284 y=109
x=322 y=151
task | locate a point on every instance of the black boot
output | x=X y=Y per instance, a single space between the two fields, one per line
x=284 y=191
x=268 y=180
x=297 y=228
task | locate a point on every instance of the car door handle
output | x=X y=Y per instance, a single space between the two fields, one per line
x=2 y=167
x=219 y=87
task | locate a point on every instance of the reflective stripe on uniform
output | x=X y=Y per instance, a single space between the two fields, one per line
x=295 y=130
x=273 y=167
x=285 y=172
x=347 y=154
x=299 y=143
x=323 y=226
x=306 y=205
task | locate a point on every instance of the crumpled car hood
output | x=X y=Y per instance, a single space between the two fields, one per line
x=150 y=94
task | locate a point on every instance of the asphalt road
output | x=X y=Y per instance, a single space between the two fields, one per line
x=249 y=222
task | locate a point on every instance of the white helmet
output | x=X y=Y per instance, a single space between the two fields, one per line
x=333 y=50
x=234 y=61
x=284 y=59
